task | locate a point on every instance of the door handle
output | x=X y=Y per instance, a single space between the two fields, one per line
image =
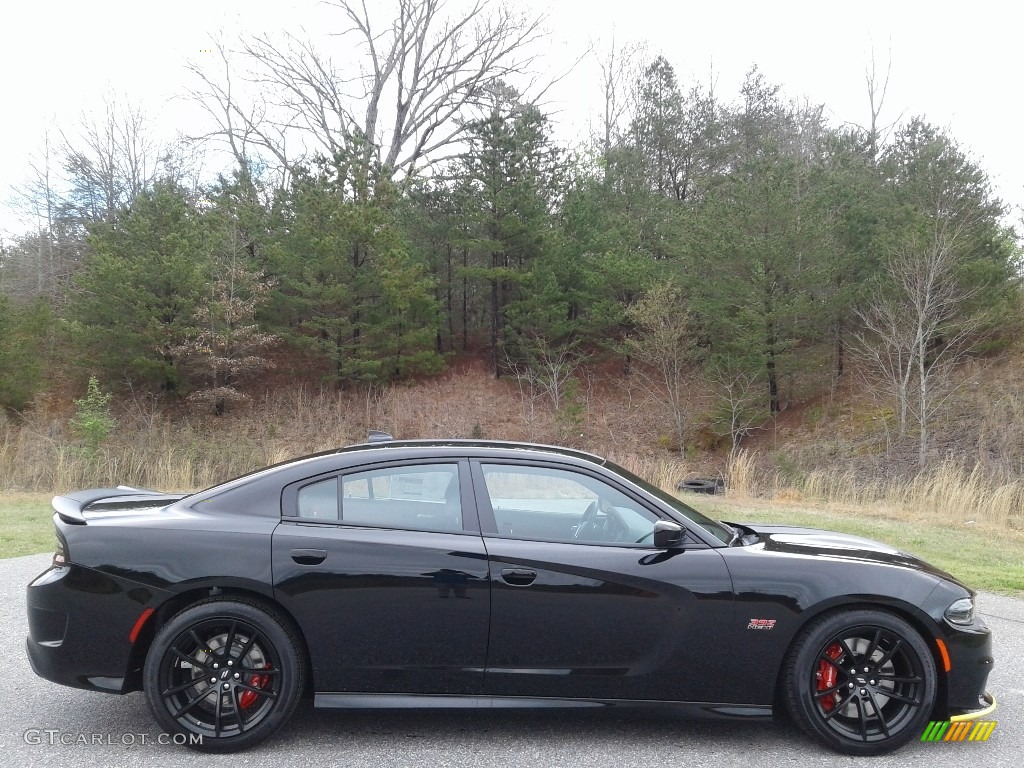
x=518 y=577
x=309 y=556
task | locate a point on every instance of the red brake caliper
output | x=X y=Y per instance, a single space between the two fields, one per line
x=827 y=676
x=248 y=698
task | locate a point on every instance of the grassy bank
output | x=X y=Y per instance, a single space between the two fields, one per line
x=981 y=557
x=25 y=524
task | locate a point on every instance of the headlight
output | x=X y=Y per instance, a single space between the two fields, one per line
x=961 y=611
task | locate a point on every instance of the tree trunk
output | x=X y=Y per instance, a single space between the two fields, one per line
x=465 y=301
x=770 y=368
x=494 y=328
x=840 y=348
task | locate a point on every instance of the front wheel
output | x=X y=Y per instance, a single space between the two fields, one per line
x=225 y=674
x=862 y=682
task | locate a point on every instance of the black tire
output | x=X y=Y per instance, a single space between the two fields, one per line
x=250 y=656
x=699 y=486
x=831 y=697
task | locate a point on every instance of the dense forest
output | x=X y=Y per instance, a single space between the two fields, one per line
x=737 y=245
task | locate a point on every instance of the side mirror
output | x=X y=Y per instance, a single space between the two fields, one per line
x=668 y=534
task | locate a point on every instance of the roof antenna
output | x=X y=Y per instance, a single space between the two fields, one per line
x=377 y=436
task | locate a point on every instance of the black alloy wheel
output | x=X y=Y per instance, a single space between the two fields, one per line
x=226 y=674
x=862 y=682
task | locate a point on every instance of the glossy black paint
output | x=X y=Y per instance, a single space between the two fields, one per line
x=473 y=616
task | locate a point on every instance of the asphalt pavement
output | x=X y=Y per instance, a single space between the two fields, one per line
x=43 y=724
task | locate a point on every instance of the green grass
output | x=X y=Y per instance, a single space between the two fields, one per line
x=26 y=525
x=982 y=558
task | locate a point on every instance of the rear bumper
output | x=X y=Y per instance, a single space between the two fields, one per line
x=79 y=623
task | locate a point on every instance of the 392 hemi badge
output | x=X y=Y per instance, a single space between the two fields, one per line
x=761 y=624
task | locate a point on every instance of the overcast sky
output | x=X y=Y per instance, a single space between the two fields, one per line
x=958 y=65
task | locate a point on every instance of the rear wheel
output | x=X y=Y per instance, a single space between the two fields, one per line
x=863 y=682
x=226 y=671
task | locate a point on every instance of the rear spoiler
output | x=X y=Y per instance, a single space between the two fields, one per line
x=71 y=507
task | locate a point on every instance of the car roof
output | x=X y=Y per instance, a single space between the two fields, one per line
x=475 y=446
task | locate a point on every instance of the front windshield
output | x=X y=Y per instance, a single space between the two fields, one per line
x=713 y=527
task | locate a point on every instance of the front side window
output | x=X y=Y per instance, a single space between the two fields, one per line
x=559 y=505
x=416 y=497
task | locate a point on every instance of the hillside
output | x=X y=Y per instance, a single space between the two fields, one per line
x=839 y=450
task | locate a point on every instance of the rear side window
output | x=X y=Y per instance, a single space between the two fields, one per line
x=411 y=497
x=319 y=501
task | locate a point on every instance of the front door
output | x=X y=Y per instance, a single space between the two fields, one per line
x=582 y=604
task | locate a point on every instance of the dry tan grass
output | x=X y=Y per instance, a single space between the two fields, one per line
x=950 y=491
x=193 y=450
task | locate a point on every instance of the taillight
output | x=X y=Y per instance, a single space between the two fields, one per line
x=60 y=553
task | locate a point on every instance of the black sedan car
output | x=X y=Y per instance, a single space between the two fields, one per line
x=459 y=573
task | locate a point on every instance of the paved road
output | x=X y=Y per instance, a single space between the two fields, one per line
x=463 y=738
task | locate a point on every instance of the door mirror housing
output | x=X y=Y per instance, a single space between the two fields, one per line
x=668 y=535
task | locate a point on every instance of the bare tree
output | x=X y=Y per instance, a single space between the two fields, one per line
x=243 y=126
x=664 y=347
x=435 y=66
x=878 y=87
x=31 y=267
x=918 y=330
x=431 y=65
x=40 y=261
x=547 y=369
x=620 y=69
x=738 y=393
x=111 y=161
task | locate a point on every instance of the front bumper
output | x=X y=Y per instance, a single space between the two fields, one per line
x=970 y=662
x=990 y=707
x=79 y=623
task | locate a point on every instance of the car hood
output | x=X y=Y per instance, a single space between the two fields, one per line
x=798 y=540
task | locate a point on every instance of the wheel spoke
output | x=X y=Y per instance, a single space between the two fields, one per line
x=258 y=671
x=895 y=679
x=239 y=713
x=191 y=703
x=200 y=645
x=828 y=659
x=859 y=703
x=190 y=659
x=247 y=647
x=183 y=687
x=841 y=705
x=905 y=699
x=218 y=715
x=874 y=645
x=230 y=641
x=821 y=694
x=889 y=654
x=261 y=691
x=847 y=651
x=878 y=713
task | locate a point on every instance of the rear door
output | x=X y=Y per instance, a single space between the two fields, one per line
x=385 y=571
x=582 y=605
